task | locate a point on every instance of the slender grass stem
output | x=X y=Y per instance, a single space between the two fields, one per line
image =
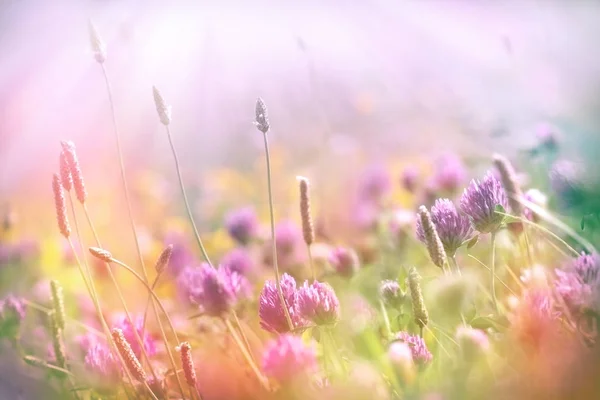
x=122 y=298
x=273 y=240
x=500 y=280
x=185 y=198
x=263 y=381
x=493 y=266
x=153 y=286
x=243 y=335
x=312 y=264
x=45 y=310
x=386 y=318
x=455 y=264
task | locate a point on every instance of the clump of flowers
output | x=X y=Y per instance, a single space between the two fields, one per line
x=579 y=283
x=453 y=227
x=317 y=302
x=287 y=358
x=238 y=260
x=122 y=323
x=420 y=353
x=480 y=200
x=104 y=371
x=450 y=173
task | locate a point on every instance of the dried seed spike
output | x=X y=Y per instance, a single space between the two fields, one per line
x=419 y=310
x=35 y=362
x=77 y=176
x=60 y=206
x=435 y=246
x=508 y=176
x=131 y=361
x=58 y=303
x=307 y=224
x=102 y=254
x=96 y=43
x=163 y=110
x=163 y=259
x=65 y=173
x=187 y=363
x=262 y=116
x=57 y=343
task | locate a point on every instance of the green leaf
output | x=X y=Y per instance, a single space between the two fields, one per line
x=473 y=241
x=582 y=223
x=499 y=209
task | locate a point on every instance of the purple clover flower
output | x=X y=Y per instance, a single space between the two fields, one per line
x=104 y=369
x=287 y=358
x=374 y=184
x=453 y=227
x=288 y=236
x=214 y=291
x=242 y=224
x=410 y=178
x=420 y=354
x=271 y=312
x=344 y=261
x=391 y=293
x=450 y=173
x=238 y=260
x=181 y=256
x=579 y=283
x=318 y=303
x=479 y=202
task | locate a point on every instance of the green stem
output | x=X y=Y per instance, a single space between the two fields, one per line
x=273 y=240
x=386 y=319
x=185 y=199
x=493 y=267
x=244 y=337
x=455 y=264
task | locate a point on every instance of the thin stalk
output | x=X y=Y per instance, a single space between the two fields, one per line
x=273 y=240
x=45 y=310
x=246 y=354
x=122 y=299
x=185 y=199
x=153 y=286
x=500 y=280
x=493 y=266
x=123 y=176
x=312 y=264
x=455 y=264
x=386 y=319
x=244 y=337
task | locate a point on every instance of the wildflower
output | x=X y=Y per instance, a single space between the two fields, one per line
x=68 y=149
x=162 y=109
x=262 y=116
x=431 y=238
x=420 y=354
x=391 y=293
x=344 y=261
x=287 y=237
x=535 y=321
x=472 y=342
x=58 y=303
x=98 y=46
x=409 y=178
x=129 y=333
x=318 y=303
x=242 y=224
x=579 y=283
x=130 y=359
x=61 y=207
x=287 y=358
x=104 y=369
x=450 y=173
x=188 y=363
x=271 y=312
x=308 y=231
x=510 y=183
x=479 y=202
x=452 y=227
x=238 y=260
x=375 y=183
x=181 y=256
x=419 y=311
x=163 y=259
x=212 y=291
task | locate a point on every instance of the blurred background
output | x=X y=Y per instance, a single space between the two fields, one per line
x=346 y=83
